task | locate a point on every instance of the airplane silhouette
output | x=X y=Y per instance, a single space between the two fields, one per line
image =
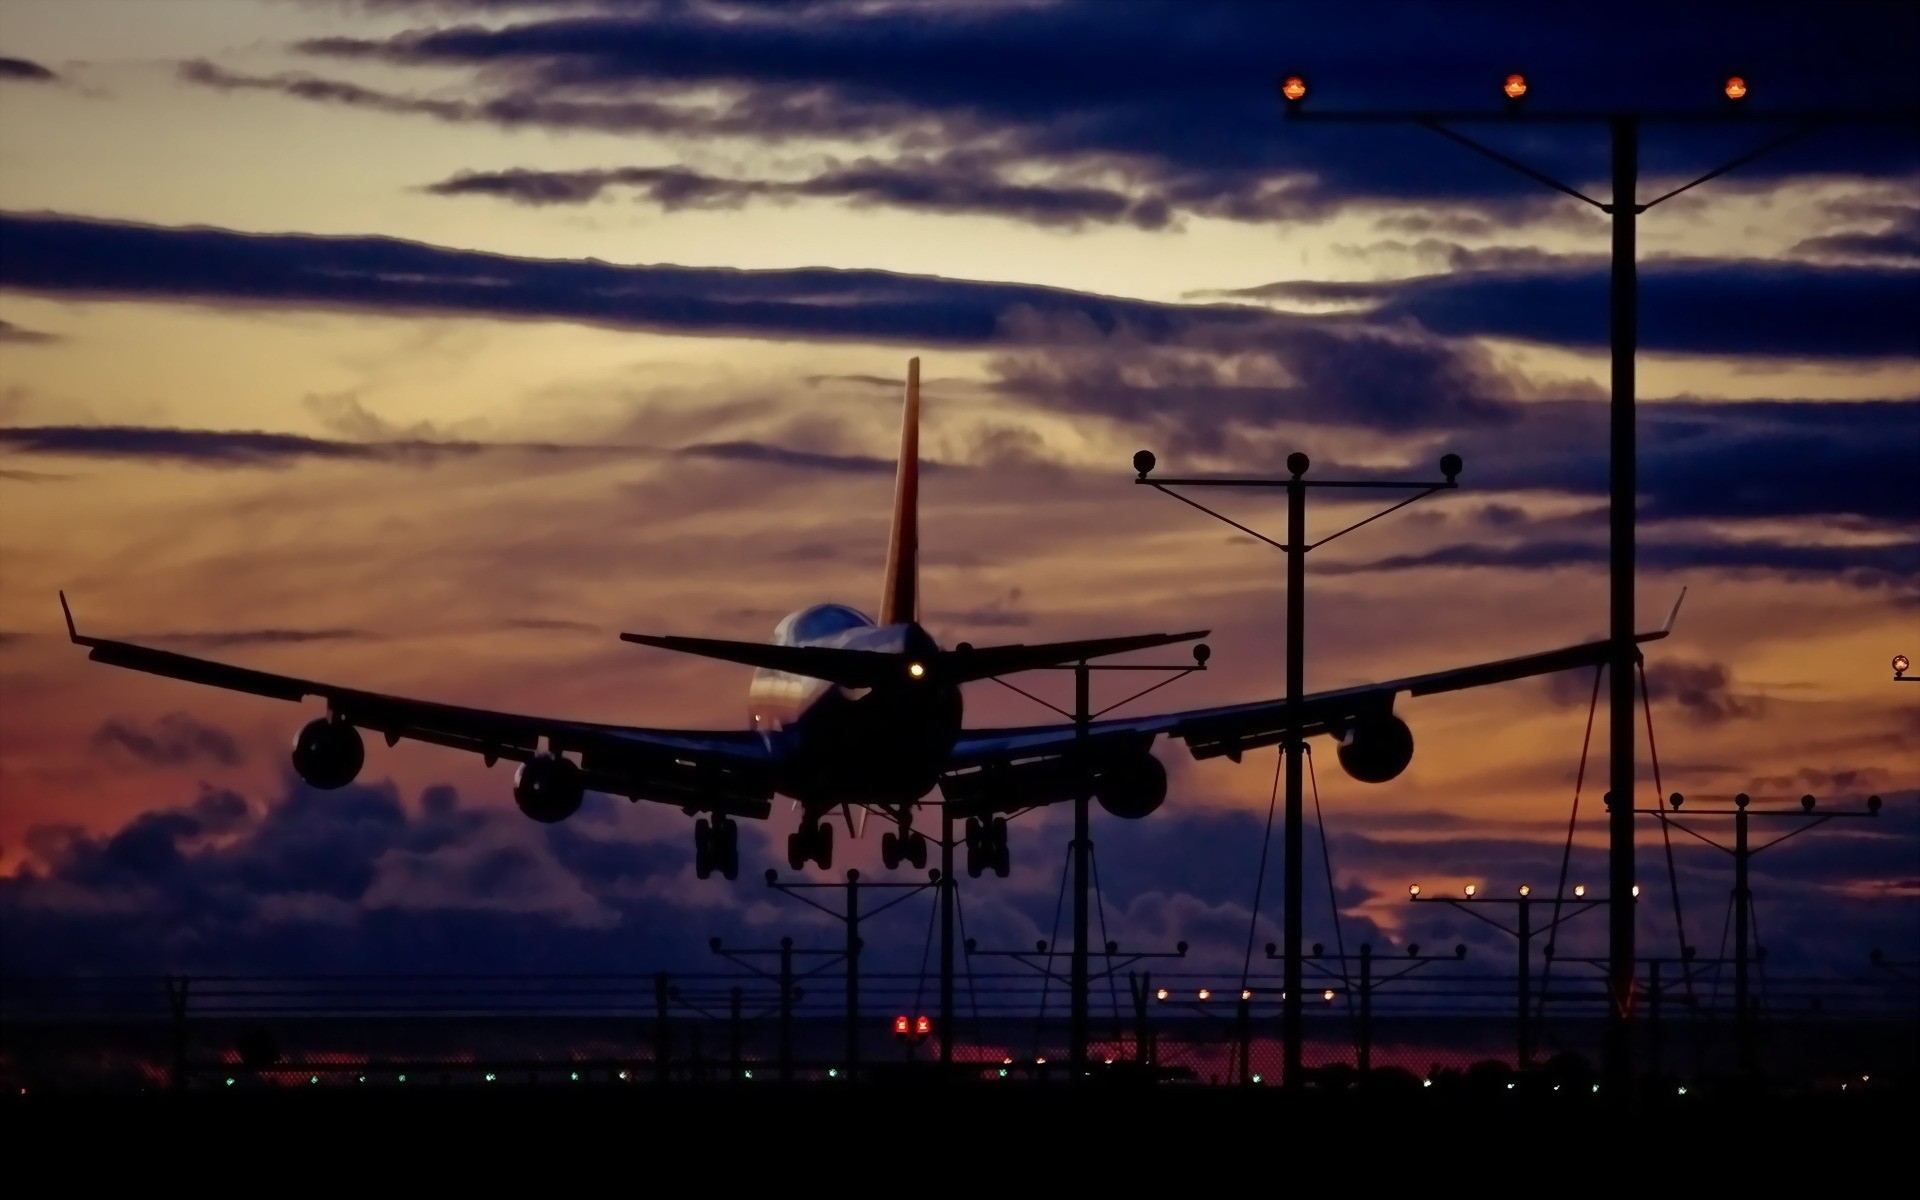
x=851 y=713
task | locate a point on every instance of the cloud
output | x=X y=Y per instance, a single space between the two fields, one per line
x=1173 y=99
x=176 y=739
x=1896 y=241
x=1687 y=306
x=14 y=335
x=1704 y=459
x=21 y=70
x=760 y=452
x=1703 y=692
x=74 y=257
x=1894 y=565
x=256 y=448
x=951 y=184
x=220 y=639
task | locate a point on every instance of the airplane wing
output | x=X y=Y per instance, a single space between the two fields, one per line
x=1233 y=729
x=720 y=771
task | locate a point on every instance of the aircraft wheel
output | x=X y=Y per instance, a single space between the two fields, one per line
x=889 y=850
x=974 y=861
x=798 y=852
x=917 y=851
x=702 y=848
x=824 y=846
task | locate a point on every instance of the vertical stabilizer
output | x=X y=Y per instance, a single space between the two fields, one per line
x=900 y=601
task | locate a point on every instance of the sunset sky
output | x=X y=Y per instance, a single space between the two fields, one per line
x=425 y=345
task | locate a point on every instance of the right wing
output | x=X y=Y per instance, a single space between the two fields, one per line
x=1233 y=729
x=720 y=771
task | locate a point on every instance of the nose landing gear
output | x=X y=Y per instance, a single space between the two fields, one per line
x=812 y=842
x=987 y=847
x=716 y=847
x=905 y=846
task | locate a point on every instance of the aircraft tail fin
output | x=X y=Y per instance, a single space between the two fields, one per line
x=900 y=595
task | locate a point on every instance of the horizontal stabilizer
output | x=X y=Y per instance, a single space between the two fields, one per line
x=967 y=663
x=869 y=668
x=849 y=668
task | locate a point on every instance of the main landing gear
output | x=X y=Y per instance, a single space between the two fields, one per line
x=812 y=842
x=716 y=847
x=987 y=846
x=905 y=846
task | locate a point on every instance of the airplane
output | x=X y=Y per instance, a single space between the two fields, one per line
x=849 y=712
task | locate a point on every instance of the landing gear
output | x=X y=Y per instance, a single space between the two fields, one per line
x=812 y=842
x=987 y=847
x=716 y=847
x=905 y=846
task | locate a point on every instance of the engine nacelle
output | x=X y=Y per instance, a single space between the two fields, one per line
x=1131 y=787
x=1376 y=749
x=328 y=753
x=548 y=789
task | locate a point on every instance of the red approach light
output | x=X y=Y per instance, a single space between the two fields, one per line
x=900 y=1025
x=1294 y=89
x=1736 y=87
x=922 y=1026
x=1515 y=86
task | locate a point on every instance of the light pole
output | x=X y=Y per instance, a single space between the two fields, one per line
x=1522 y=933
x=1623 y=311
x=1743 y=851
x=1295 y=547
x=1082 y=716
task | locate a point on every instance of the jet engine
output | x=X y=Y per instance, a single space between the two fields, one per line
x=548 y=789
x=1376 y=749
x=1131 y=787
x=328 y=753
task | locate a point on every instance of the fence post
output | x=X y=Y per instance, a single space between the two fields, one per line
x=662 y=1048
x=177 y=1007
x=1243 y=1033
x=1366 y=1007
x=1142 y=986
x=736 y=1033
x=786 y=1010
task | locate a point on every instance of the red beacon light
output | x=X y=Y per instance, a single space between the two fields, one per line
x=1293 y=89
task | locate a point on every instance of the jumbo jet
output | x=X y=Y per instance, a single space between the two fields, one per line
x=851 y=713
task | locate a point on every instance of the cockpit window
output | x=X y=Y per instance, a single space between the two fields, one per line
x=822 y=621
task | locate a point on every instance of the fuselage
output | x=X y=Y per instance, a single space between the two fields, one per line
x=839 y=745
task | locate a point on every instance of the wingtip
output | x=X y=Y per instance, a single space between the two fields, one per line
x=73 y=634
x=1674 y=613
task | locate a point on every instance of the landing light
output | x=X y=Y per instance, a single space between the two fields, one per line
x=1900 y=664
x=1471 y=890
x=1205 y=993
x=1413 y=889
x=916 y=670
x=1327 y=995
x=1579 y=889
x=1525 y=890
x=1246 y=993
x=1161 y=994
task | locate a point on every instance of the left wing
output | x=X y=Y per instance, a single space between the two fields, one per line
x=721 y=771
x=1235 y=728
